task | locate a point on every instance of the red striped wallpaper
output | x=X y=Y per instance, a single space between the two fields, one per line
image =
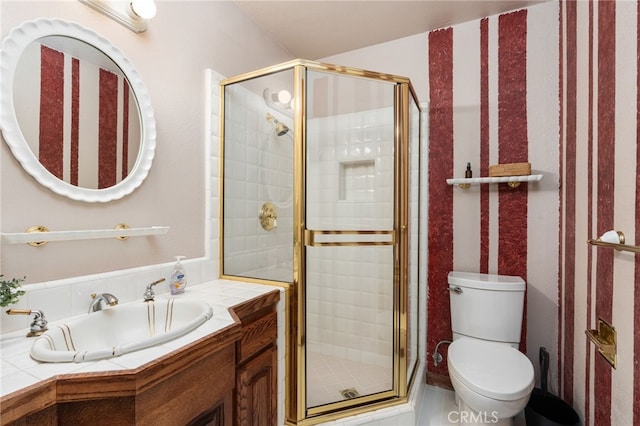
x=125 y=129
x=598 y=164
x=107 y=129
x=636 y=286
x=636 y=293
x=67 y=91
x=51 y=111
x=75 y=121
x=440 y=196
x=569 y=201
x=589 y=229
x=512 y=145
x=605 y=195
x=484 y=145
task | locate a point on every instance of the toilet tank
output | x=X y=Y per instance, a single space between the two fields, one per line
x=486 y=306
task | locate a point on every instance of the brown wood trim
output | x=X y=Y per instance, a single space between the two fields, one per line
x=28 y=400
x=252 y=308
x=191 y=392
x=111 y=384
x=257 y=335
x=131 y=382
x=439 y=381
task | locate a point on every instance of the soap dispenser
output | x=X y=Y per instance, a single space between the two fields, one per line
x=178 y=277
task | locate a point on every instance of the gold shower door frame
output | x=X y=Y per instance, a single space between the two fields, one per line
x=296 y=411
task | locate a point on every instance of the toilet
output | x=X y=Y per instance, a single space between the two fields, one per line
x=491 y=378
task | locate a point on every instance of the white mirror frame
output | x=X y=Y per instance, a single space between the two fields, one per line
x=12 y=47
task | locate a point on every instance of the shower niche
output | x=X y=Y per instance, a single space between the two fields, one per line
x=334 y=153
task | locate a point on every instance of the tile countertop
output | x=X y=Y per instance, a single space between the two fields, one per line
x=19 y=370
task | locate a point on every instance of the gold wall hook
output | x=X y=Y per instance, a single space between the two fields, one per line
x=37 y=228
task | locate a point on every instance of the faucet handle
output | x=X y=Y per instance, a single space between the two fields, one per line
x=39 y=323
x=149 y=294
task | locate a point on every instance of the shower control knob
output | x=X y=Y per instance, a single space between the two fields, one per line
x=268 y=217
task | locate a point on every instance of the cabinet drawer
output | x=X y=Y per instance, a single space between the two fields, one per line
x=257 y=335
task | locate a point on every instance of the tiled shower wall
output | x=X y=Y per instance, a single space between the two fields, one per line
x=258 y=169
x=350 y=187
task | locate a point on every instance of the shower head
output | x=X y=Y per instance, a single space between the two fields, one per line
x=281 y=128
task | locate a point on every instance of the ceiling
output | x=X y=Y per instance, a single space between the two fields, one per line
x=314 y=29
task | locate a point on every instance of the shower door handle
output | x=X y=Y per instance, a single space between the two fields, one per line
x=456 y=290
x=316 y=238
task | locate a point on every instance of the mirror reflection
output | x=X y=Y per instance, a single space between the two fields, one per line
x=73 y=108
x=77 y=112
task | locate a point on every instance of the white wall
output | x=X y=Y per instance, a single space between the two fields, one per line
x=406 y=57
x=184 y=39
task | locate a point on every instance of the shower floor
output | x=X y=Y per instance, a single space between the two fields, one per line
x=327 y=375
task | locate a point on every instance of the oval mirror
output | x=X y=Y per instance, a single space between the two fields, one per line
x=74 y=111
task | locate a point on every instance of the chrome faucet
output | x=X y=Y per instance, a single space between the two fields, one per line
x=39 y=323
x=96 y=303
x=149 y=294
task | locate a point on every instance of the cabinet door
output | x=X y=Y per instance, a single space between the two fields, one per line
x=214 y=417
x=257 y=390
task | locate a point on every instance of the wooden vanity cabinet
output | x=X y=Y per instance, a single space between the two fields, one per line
x=224 y=379
x=256 y=365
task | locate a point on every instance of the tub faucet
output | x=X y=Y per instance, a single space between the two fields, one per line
x=149 y=294
x=96 y=303
x=39 y=323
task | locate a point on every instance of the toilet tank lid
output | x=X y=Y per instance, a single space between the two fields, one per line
x=486 y=281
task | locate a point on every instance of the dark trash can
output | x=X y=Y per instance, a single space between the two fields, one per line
x=545 y=409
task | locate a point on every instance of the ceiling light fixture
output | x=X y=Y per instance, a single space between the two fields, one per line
x=134 y=16
x=284 y=97
x=145 y=9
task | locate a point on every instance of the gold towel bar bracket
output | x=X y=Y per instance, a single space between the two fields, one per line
x=37 y=228
x=618 y=246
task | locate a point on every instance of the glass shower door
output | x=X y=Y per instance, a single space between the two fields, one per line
x=350 y=283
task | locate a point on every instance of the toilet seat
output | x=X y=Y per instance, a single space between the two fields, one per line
x=491 y=369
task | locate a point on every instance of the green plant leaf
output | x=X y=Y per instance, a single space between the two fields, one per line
x=10 y=291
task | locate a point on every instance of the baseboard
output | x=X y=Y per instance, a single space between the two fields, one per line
x=439 y=381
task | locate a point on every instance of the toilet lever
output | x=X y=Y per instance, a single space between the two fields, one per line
x=456 y=290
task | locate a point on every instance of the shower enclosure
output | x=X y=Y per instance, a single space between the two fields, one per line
x=319 y=194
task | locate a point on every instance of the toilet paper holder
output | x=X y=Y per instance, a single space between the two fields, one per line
x=605 y=339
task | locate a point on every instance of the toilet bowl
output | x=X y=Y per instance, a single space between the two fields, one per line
x=492 y=379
